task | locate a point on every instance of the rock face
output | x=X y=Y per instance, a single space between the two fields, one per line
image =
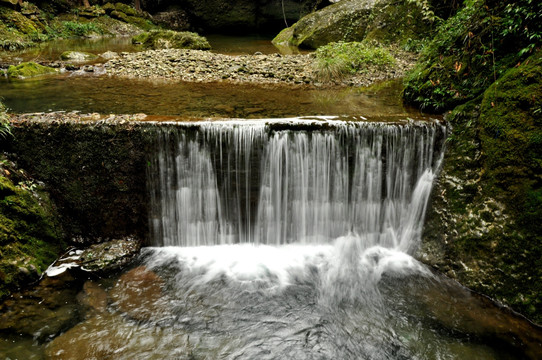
x=30 y=235
x=346 y=20
x=105 y=163
x=236 y=15
x=484 y=227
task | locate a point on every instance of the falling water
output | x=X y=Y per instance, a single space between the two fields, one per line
x=293 y=181
x=292 y=239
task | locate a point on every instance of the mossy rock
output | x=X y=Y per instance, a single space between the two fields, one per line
x=397 y=22
x=484 y=227
x=126 y=9
x=108 y=8
x=344 y=21
x=30 y=235
x=511 y=137
x=471 y=50
x=18 y=21
x=29 y=69
x=77 y=56
x=165 y=39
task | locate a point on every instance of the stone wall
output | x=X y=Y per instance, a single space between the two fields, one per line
x=94 y=171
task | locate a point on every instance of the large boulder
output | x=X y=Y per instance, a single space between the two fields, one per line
x=387 y=21
x=346 y=20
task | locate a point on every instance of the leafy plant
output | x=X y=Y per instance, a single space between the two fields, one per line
x=73 y=28
x=5 y=125
x=426 y=9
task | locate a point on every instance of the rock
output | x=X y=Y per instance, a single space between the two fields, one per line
x=138 y=293
x=29 y=69
x=110 y=336
x=346 y=20
x=99 y=258
x=77 y=56
x=42 y=312
x=175 y=19
x=108 y=55
x=110 y=255
x=169 y=39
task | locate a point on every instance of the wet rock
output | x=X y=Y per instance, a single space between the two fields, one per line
x=42 y=312
x=110 y=336
x=109 y=256
x=77 y=56
x=99 y=258
x=108 y=55
x=138 y=293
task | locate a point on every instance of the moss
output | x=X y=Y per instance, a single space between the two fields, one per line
x=29 y=69
x=126 y=9
x=511 y=137
x=30 y=235
x=484 y=228
x=285 y=37
x=160 y=39
x=18 y=21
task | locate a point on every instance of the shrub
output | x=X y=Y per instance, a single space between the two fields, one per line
x=336 y=60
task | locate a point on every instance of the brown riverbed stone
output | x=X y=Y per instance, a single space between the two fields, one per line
x=138 y=293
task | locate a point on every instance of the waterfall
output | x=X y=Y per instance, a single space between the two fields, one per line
x=292 y=181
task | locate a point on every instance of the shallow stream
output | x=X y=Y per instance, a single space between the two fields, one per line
x=341 y=298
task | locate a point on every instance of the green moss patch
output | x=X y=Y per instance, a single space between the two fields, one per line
x=30 y=236
x=167 y=39
x=29 y=69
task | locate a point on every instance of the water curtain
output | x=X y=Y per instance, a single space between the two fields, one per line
x=282 y=182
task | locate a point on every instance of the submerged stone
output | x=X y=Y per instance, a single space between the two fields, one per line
x=93 y=296
x=138 y=293
x=108 y=336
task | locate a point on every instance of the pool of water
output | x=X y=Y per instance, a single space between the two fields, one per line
x=263 y=302
x=107 y=95
x=223 y=44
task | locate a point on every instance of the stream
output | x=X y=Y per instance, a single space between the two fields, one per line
x=268 y=242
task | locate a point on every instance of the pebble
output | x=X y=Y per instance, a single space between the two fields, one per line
x=204 y=66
